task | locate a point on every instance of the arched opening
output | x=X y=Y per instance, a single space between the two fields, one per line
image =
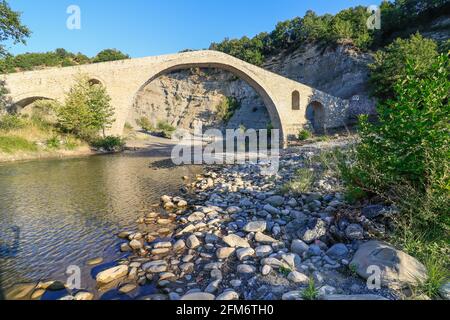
x=315 y=114
x=209 y=84
x=93 y=82
x=37 y=106
x=295 y=100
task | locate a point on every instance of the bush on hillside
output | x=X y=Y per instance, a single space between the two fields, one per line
x=390 y=63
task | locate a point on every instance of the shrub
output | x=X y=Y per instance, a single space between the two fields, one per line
x=404 y=159
x=145 y=124
x=390 y=63
x=11 y=144
x=411 y=140
x=53 y=143
x=165 y=129
x=86 y=111
x=110 y=55
x=226 y=108
x=301 y=183
x=310 y=292
x=304 y=135
x=10 y=122
x=109 y=143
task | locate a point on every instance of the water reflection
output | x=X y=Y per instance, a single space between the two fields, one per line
x=59 y=213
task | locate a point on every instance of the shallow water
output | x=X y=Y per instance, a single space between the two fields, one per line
x=57 y=213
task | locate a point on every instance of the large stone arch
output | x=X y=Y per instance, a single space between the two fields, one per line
x=255 y=83
x=124 y=79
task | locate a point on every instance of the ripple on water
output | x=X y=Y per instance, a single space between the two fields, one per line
x=58 y=213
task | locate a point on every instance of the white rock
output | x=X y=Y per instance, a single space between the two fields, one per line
x=244 y=253
x=155 y=266
x=235 y=241
x=84 y=295
x=266 y=269
x=111 y=274
x=135 y=244
x=224 y=253
x=179 y=245
x=228 y=295
x=245 y=269
x=196 y=216
x=262 y=238
x=255 y=226
x=298 y=277
x=198 y=296
x=326 y=290
x=263 y=251
x=192 y=242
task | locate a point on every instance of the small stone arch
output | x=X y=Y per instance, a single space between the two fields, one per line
x=18 y=106
x=315 y=114
x=94 y=81
x=295 y=100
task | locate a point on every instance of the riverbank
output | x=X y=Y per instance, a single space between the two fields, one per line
x=46 y=155
x=235 y=233
x=243 y=235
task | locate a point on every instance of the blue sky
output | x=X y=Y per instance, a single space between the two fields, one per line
x=152 y=27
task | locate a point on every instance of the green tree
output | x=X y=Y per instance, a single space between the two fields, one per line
x=390 y=64
x=404 y=157
x=87 y=110
x=110 y=55
x=11 y=28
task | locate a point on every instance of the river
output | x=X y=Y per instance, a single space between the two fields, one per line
x=57 y=213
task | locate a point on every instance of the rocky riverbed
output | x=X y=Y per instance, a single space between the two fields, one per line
x=237 y=234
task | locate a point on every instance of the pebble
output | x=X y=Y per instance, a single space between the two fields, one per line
x=354 y=232
x=84 y=295
x=198 y=296
x=262 y=238
x=263 y=251
x=298 y=277
x=266 y=269
x=192 y=242
x=338 y=251
x=245 y=269
x=235 y=241
x=255 y=226
x=244 y=253
x=224 y=253
x=299 y=247
x=228 y=295
x=179 y=245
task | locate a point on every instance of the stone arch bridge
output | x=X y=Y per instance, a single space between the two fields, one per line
x=291 y=105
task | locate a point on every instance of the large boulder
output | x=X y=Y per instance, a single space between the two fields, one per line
x=112 y=274
x=398 y=269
